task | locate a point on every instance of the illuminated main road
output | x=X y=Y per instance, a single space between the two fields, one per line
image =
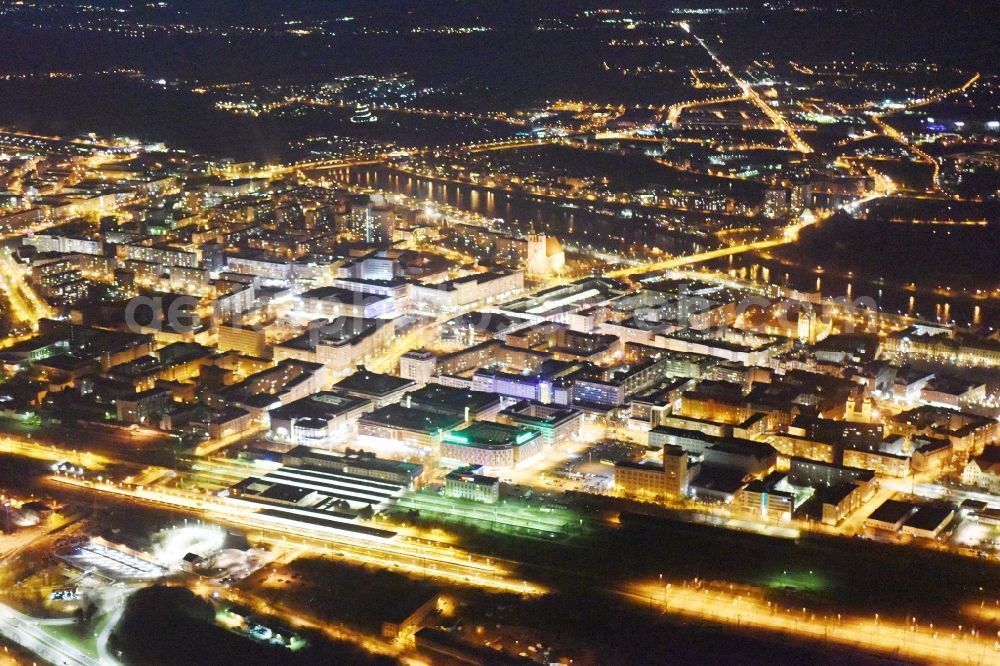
x=687 y=260
x=897 y=136
x=49 y=453
x=26 y=306
x=27 y=632
x=749 y=608
x=789 y=235
x=344 y=162
x=675 y=110
x=772 y=114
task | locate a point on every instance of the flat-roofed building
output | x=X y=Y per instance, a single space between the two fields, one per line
x=319 y=420
x=333 y=302
x=928 y=521
x=765 y=500
x=717 y=483
x=470 y=405
x=467 y=483
x=201 y=420
x=180 y=361
x=795 y=446
x=288 y=381
x=890 y=515
x=751 y=457
x=470 y=358
x=814 y=473
x=651 y=479
x=247 y=340
x=465 y=291
x=398 y=289
x=707 y=346
x=643 y=480
x=160 y=255
x=559 y=425
x=144 y=407
x=492 y=445
x=511 y=385
x=263 y=266
x=648 y=410
x=415 y=431
x=406 y=618
x=882 y=463
x=419 y=365
x=558 y=303
x=405 y=474
x=340 y=344
x=838 y=501
x=847 y=434
x=381 y=388
x=692 y=441
x=704 y=426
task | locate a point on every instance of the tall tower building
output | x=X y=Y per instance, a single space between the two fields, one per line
x=808 y=325
x=545 y=255
x=775 y=202
x=418 y=365
x=675 y=471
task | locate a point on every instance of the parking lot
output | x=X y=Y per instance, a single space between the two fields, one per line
x=591 y=470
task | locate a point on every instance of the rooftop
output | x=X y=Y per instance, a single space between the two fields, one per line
x=930 y=517
x=376 y=384
x=470 y=474
x=448 y=399
x=340 y=331
x=486 y=434
x=338 y=295
x=892 y=511
x=411 y=418
x=323 y=405
x=354 y=460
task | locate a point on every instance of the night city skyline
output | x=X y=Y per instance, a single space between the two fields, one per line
x=523 y=332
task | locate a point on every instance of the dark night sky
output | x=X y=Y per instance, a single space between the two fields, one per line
x=513 y=66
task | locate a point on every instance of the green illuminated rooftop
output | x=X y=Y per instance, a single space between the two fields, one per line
x=486 y=434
